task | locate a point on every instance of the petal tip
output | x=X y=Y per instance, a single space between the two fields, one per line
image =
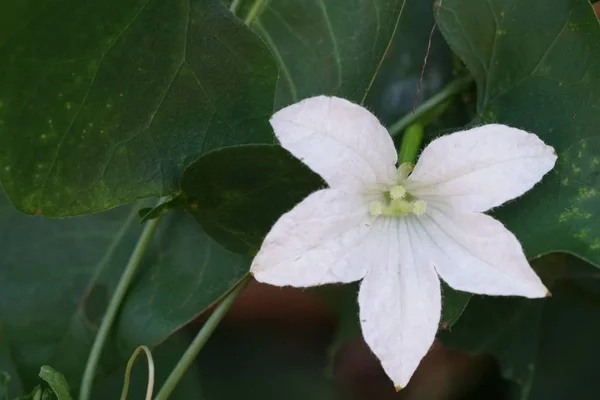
x=398 y=388
x=548 y=294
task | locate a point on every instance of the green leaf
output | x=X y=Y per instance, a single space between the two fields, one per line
x=237 y=193
x=106 y=102
x=62 y=273
x=327 y=46
x=537 y=67
x=548 y=347
x=56 y=381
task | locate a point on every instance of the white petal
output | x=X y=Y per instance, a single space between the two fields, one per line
x=481 y=168
x=475 y=253
x=324 y=239
x=400 y=302
x=341 y=141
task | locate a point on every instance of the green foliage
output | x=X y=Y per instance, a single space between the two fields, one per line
x=327 y=46
x=56 y=381
x=545 y=346
x=106 y=102
x=237 y=193
x=554 y=91
x=61 y=273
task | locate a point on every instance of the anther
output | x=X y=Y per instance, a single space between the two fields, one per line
x=397 y=192
x=419 y=207
x=376 y=208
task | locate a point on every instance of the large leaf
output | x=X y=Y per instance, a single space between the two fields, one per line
x=104 y=102
x=537 y=67
x=547 y=347
x=237 y=193
x=327 y=46
x=56 y=278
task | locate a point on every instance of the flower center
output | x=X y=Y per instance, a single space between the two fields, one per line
x=399 y=201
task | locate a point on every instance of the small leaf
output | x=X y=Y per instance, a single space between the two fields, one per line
x=56 y=381
x=237 y=193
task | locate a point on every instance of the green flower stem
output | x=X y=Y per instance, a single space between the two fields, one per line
x=234 y=6
x=253 y=11
x=453 y=88
x=200 y=340
x=411 y=143
x=113 y=308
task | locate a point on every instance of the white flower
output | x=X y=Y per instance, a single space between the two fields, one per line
x=398 y=232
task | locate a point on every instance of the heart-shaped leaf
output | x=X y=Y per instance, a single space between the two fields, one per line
x=537 y=67
x=105 y=102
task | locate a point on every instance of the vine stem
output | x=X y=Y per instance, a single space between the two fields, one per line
x=253 y=11
x=113 y=307
x=453 y=88
x=235 y=4
x=201 y=338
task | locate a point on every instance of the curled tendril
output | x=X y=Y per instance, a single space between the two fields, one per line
x=150 y=387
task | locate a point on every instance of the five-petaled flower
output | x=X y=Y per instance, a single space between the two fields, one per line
x=398 y=228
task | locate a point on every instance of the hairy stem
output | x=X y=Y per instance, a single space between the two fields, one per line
x=452 y=89
x=113 y=308
x=201 y=338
